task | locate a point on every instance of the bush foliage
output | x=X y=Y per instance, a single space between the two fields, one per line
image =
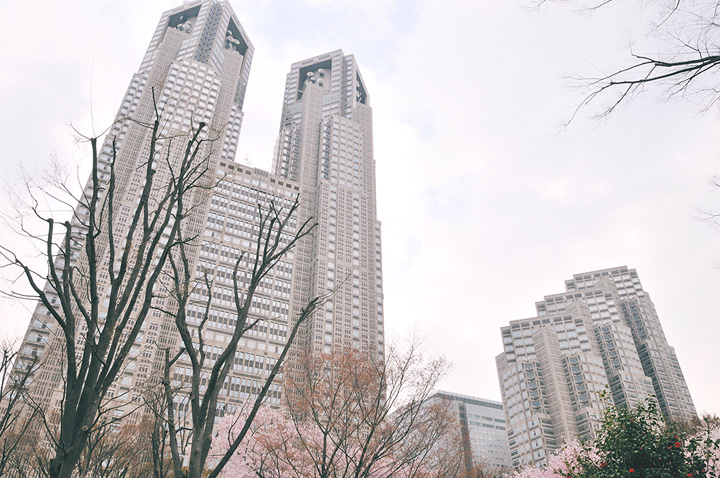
x=638 y=442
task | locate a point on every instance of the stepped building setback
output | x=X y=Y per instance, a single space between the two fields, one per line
x=601 y=334
x=196 y=69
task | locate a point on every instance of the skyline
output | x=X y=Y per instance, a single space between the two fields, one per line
x=463 y=156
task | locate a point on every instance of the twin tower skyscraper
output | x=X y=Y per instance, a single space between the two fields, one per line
x=196 y=69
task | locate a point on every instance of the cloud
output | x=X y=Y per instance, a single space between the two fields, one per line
x=485 y=208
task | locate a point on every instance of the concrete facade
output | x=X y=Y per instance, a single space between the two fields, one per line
x=601 y=335
x=326 y=145
x=196 y=70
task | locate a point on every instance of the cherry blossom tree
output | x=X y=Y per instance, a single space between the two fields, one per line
x=270 y=449
x=563 y=463
x=351 y=416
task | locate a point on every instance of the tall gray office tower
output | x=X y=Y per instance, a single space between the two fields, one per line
x=195 y=71
x=326 y=145
x=602 y=333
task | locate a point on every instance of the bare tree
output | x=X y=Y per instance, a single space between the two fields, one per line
x=156 y=451
x=689 y=33
x=276 y=237
x=15 y=418
x=103 y=266
x=113 y=452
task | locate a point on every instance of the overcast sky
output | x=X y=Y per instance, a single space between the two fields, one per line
x=485 y=206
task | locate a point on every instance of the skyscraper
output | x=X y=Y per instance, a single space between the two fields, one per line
x=326 y=145
x=196 y=71
x=602 y=333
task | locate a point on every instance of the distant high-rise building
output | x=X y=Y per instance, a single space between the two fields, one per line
x=602 y=333
x=196 y=70
x=482 y=427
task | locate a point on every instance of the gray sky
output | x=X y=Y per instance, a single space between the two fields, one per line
x=485 y=207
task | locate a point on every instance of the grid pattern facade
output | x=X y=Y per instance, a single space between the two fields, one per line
x=602 y=333
x=231 y=230
x=196 y=70
x=325 y=144
x=482 y=425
